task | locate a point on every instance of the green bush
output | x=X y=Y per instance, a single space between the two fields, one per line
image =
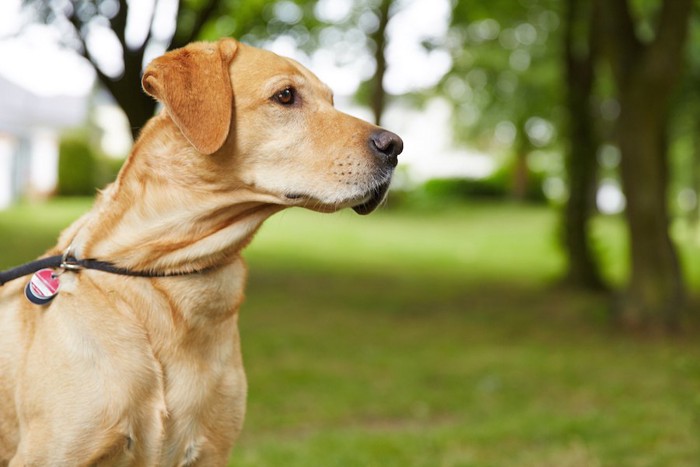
x=464 y=188
x=503 y=177
x=81 y=170
x=107 y=170
x=76 y=168
x=497 y=186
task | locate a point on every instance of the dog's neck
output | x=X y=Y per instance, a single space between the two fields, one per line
x=158 y=217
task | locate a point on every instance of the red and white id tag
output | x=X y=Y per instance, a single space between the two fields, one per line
x=43 y=287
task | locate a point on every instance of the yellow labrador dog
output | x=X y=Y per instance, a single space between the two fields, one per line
x=128 y=370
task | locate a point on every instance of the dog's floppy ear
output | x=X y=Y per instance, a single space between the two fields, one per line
x=194 y=85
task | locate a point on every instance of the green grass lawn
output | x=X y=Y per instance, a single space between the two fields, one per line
x=438 y=339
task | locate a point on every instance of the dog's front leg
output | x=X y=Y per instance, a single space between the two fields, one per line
x=90 y=390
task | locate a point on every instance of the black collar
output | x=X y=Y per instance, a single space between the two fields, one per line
x=70 y=263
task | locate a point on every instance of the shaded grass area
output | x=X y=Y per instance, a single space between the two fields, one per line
x=470 y=377
x=437 y=339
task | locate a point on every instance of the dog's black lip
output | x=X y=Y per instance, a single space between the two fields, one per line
x=377 y=196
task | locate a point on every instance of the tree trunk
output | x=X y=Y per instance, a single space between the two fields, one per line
x=520 y=182
x=136 y=104
x=646 y=75
x=655 y=294
x=521 y=175
x=126 y=89
x=138 y=111
x=694 y=215
x=581 y=163
x=379 y=38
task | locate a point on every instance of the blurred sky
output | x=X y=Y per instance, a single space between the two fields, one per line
x=411 y=67
x=33 y=60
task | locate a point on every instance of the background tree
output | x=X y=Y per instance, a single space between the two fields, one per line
x=378 y=102
x=80 y=20
x=254 y=21
x=646 y=73
x=685 y=132
x=505 y=79
x=582 y=142
x=367 y=22
x=520 y=59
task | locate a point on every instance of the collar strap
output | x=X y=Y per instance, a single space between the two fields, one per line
x=70 y=263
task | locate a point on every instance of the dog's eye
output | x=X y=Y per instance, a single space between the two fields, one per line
x=285 y=96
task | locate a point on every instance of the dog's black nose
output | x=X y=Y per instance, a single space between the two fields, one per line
x=387 y=146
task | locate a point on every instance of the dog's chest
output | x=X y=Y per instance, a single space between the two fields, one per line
x=203 y=380
x=204 y=394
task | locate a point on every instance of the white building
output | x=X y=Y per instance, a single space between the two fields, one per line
x=43 y=90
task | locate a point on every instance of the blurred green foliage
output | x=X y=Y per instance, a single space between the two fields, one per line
x=495 y=187
x=505 y=70
x=77 y=166
x=82 y=169
x=452 y=189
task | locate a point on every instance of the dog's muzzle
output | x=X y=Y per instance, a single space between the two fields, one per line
x=386 y=146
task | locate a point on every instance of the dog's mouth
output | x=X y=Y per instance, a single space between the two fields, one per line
x=376 y=197
x=364 y=205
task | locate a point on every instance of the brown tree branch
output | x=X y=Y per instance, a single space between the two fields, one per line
x=378 y=102
x=103 y=78
x=118 y=23
x=133 y=57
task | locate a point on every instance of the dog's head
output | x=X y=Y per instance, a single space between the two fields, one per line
x=275 y=122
